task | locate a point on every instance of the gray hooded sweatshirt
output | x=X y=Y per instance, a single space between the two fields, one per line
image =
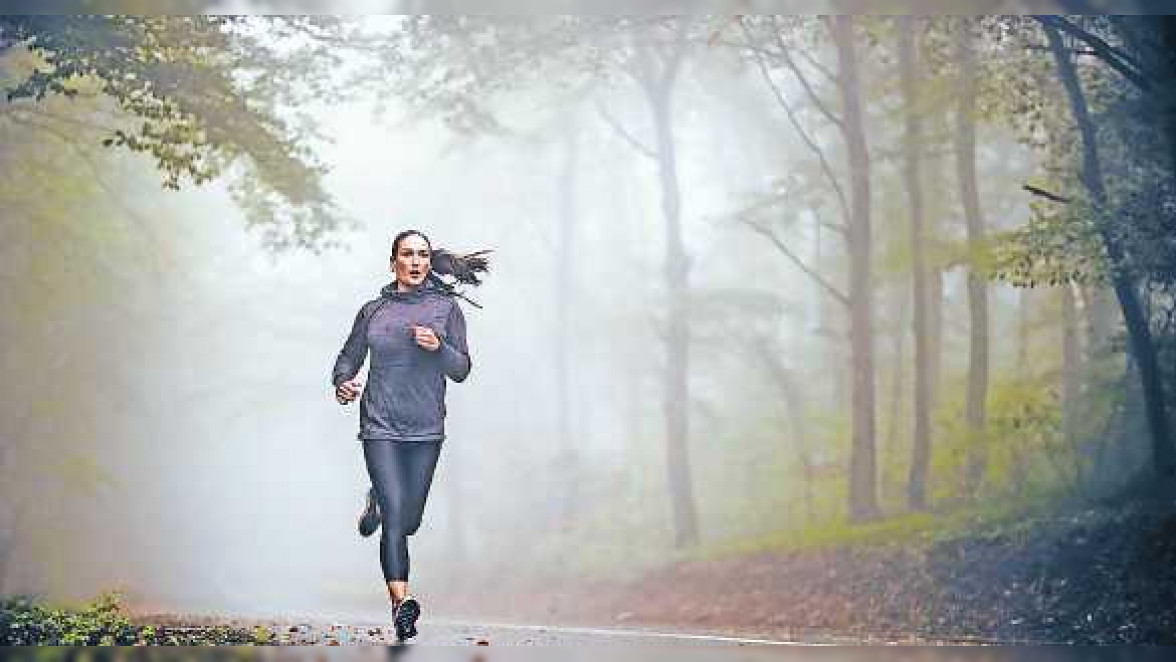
x=404 y=399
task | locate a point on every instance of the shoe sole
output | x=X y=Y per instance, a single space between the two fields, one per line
x=369 y=507
x=405 y=619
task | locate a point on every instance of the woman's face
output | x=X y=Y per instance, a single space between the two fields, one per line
x=410 y=264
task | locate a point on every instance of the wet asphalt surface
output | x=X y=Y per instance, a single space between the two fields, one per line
x=464 y=634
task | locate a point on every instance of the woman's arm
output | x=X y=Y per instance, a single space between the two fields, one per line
x=354 y=351
x=455 y=354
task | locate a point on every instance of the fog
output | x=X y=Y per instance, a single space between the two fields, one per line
x=174 y=434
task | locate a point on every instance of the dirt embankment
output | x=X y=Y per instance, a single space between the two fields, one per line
x=1091 y=577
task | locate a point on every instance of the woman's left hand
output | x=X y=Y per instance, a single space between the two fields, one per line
x=426 y=338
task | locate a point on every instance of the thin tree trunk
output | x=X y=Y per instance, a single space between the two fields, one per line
x=658 y=82
x=976 y=393
x=863 y=479
x=1099 y=305
x=935 y=325
x=794 y=405
x=829 y=326
x=912 y=170
x=896 y=385
x=1071 y=366
x=1167 y=67
x=1138 y=329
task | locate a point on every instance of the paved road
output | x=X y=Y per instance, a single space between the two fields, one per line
x=465 y=634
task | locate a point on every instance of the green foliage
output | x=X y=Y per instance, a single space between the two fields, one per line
x=1058 y=245
x=1022 y=437
x=24 y=622
x=913 y=531
x=198 y=94
x=1029 y=457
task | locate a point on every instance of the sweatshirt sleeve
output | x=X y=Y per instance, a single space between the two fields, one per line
x=354 y=351
x=455 y=354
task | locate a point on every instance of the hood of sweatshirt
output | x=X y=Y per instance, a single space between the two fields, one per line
x=427 y=288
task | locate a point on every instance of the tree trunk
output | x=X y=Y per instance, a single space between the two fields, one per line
x=830 y=328
x=1099 y=305
x=1138 y=328
x=912 y=170
x=897 y=382
x=658 y=86
x=935 y=326
x=1071 y=367
x=976 y=393
x=794 y=404
x=1167 y=65
x=863 y=498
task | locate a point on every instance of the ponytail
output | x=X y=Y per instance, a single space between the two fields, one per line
x=464 y=268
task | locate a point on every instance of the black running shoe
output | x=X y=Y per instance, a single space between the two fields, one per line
x=405 y=618
x=369 y=519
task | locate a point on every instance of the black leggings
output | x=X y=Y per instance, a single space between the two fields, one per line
x=401 y=474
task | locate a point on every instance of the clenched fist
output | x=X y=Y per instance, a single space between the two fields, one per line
x=425 y=337
x=346 y=392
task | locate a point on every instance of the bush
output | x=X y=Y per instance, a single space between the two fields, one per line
x=23 y=622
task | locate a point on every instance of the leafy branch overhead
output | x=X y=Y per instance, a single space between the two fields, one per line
x=198 y=95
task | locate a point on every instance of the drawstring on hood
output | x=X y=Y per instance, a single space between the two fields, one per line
x=432 y=283
x=389 y=291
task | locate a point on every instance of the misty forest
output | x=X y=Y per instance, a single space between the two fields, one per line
x=865 y=323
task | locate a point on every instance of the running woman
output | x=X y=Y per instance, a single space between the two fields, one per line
x=416 y=335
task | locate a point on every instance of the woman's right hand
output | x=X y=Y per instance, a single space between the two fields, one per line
x=346 y=392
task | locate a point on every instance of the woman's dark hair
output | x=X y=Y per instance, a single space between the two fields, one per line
x=464 y=268
x=406 y=234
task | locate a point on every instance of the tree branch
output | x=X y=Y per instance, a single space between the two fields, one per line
x=822 y=69
x=624 y=135
x=771 y=201
x=826 y=168
x=1046 y=194
x=804 y=82
x=809 y=271
x=1114 y=57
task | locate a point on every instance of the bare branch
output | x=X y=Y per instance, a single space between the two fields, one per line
x=1046 y=194
x=809 y=271
x=743 y=45
x=624 y=135
x=804 y=82
x=772 y=201
x=822 y=69
x=826 y=168
x=755 y=48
